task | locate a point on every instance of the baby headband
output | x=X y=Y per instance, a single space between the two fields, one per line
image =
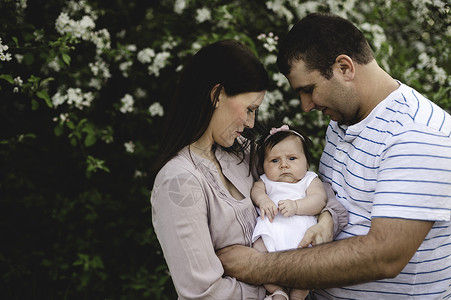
x=284 y=127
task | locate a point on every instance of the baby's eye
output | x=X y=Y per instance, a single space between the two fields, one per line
x=274 y=160
x=292 y=158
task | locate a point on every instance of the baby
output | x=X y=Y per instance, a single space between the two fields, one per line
x=288 y=195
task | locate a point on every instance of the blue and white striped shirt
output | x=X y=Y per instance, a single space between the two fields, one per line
x=396 y=163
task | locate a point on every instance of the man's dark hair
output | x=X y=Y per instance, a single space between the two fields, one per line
x=318 y=39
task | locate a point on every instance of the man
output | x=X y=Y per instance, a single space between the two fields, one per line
x=388 y=159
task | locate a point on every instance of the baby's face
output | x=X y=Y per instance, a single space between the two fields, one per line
x=286 y=161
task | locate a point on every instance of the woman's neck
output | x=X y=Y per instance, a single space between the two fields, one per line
x=203 y=149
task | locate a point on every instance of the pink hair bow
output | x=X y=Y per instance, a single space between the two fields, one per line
x=281 y=128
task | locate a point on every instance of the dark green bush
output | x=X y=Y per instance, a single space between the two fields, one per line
x=83 y=87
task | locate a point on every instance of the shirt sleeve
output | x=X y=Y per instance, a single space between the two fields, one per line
x=180 y=219
x=336 y=209
x=414 y=177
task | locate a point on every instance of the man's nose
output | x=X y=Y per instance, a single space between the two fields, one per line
x=306 y=102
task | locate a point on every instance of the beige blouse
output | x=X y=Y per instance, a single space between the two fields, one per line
x=194 y=215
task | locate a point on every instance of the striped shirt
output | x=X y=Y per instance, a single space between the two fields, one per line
x=396 y=163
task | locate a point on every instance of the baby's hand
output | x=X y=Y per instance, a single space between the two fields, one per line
x=288 y=208
x=268 y=208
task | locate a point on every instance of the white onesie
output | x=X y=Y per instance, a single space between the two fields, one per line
x=284 y=232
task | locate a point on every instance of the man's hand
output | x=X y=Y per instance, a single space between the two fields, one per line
x=236 y=260
x=322 y=232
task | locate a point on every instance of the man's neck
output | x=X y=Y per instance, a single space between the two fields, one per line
x=375 y=85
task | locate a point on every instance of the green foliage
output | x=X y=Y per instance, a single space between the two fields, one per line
x=83 y=87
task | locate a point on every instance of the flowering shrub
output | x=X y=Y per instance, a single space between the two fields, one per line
x=84 y=86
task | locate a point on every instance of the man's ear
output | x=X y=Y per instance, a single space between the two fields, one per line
x=345 y=66
x=215 y=94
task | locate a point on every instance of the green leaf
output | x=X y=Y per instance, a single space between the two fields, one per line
x=59 y=130
x=70 y=125
x=28 y=59
x=66 y=58
x=90 y=139
x=46 y=80
x=16 y=41
x=34 y=104
x=8 y=78
x=45 y=96
x=94 y=164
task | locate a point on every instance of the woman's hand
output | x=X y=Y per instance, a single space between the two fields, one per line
x=322 y=232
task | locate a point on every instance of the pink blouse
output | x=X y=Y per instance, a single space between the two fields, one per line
x=194 y=215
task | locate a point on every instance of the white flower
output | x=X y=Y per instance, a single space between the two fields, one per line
x=4 y=56
x=196 y=46
x=127 y=103
x=156 y=109
x=145 y=55
x=281 y=80
x=270 y=60
x=84 y=28
x=62 y=22
x=270 y=41
x=74 y=97
x=79 y=99
x=101 y=39
x=124 y=67
x=179 y=6
x=278 y=7
x=54 y=64
x=87 y=23
x=131 y=48
x=138 y=174
x=377 y=32
x=18 y=81
x=100 y=68
x=203 y=14
x=19 y=58
x=62 y=118
x=95 y=83
x=58 y=99
x=140 y=93
x=169 y=44
x=158 y=63
x=129 y=147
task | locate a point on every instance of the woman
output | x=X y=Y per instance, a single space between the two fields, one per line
x=201 y=195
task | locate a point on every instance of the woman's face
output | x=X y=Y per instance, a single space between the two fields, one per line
x=286 y=161
x=232 y=115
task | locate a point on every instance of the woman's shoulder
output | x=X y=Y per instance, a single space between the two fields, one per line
x=180 y=166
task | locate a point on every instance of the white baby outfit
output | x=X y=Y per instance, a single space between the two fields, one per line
x=284 y=232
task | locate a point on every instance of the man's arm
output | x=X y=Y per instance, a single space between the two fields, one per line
x=382 y=253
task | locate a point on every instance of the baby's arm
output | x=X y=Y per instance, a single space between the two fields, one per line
x=261 y=199
x=312 y=204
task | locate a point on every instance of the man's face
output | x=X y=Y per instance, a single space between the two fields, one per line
x=333 y=97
